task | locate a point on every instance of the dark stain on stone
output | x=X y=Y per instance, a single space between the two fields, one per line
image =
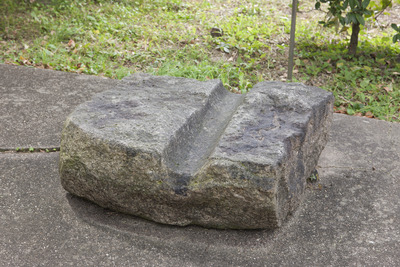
x=180 y=184
x=130 y=152
x=181 y=191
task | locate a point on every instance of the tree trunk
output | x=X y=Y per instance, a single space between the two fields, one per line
x=355 y=30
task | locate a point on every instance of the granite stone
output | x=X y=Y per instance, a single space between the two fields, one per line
x=180 y=151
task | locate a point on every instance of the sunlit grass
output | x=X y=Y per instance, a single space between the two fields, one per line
x=121 y=37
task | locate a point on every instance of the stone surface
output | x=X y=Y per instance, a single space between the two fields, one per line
x=180 y=151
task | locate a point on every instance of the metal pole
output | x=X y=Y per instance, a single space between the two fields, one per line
x=292 y=40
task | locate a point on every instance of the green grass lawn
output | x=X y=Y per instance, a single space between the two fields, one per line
x=121 y=37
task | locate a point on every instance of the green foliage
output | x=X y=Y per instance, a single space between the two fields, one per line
x=233 y=78
x=354 y=13
x=366 y=85
x=346 y=11
x=396 y=37
x=115 y=38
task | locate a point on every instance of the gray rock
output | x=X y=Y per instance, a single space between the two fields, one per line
x=179 y=151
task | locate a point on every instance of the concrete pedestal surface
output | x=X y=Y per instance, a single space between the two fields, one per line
x=351 y=217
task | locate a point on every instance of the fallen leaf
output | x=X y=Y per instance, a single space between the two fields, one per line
x=369 y=114
x=367 y=68
x=388 y=88
x=71 y=43
x=339 y=65
x=24 y=61
x=340 y=109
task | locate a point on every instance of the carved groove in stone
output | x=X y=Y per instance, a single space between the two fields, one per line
x=197 y=138
x=180 y=151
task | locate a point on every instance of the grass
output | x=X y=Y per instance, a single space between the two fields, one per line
x=121 y=37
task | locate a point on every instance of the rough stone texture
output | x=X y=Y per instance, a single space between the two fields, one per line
x=181 y=152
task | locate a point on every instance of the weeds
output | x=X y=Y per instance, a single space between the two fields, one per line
x=365 y=85
x=117 y=38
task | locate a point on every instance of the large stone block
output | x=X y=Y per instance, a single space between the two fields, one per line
x=180 y=151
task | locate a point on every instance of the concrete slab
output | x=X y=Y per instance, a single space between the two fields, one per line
x=35 y=102
x=351 y=219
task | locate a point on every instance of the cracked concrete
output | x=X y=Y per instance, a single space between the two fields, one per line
x=350 y=218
